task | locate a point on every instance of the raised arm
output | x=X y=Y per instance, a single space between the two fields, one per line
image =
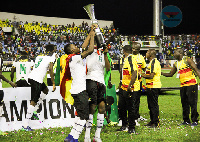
x=90 y=38
x=86 y=42
x=171 y=73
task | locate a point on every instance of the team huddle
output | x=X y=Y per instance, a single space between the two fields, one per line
x=86 y=71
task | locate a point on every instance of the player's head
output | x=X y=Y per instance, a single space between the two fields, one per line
x=151 y=53
x=127 y=49
x=50 y=48
x=178 y=53
x=71 y=49
x=135 y=47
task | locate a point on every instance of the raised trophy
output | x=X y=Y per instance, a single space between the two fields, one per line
x=99 y=36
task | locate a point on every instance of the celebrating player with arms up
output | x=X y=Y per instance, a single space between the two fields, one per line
x=76 y=69
x=35 y=78
x=95 y=84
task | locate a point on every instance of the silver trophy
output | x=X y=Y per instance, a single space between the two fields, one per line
x=99 y=36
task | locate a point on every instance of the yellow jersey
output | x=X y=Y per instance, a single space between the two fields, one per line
x=129 y=65
x=154 y=67
x=140 y=62
x=186 y=75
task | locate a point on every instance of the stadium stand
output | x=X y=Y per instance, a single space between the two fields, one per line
x=33 y=36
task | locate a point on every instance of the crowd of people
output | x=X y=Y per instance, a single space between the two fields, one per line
x=189 y=43
x=89 y=74
x=32 y=37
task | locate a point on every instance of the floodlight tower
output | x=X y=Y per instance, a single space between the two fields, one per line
x=156 y=17
x=156 y=20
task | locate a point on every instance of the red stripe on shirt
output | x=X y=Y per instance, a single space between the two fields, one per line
x=188 y=82
x=126 y=86
x=126 y=72
x=185 y=70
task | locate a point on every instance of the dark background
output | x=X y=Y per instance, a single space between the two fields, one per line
x=129 y=16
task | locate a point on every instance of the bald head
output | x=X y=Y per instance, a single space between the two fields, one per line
x=152 y=52
x=178 y=53
x=135 y=47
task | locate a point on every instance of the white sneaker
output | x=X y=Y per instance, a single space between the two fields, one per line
x=120 y=123
x=1 y=110
x=142 y=119
x=137 y=124
x=97 y=139
x=87 y=140
x=126 y=130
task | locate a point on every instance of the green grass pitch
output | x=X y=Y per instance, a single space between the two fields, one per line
x=170 y=111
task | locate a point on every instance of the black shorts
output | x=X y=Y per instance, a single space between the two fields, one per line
x=36 y=89
x=81 y=103
x=95 y=91
x=49 y=82
x=22 y=83
x=1 y=97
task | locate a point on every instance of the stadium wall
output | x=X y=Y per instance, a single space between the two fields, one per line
x=49 y=20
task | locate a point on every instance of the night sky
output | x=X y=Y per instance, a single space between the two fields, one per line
x=130 y=16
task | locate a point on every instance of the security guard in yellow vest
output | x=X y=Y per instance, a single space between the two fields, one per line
x=141 y=66
x=153 y=85
x=129 y=87
x=186 y=71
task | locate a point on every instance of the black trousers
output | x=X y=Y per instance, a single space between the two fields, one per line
x=127 y=103
x=49 y=82
x=152 y=100
x=137 y=102
x=189 y=98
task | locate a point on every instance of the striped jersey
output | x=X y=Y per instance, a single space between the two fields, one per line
x=187 y=77
x=140 y=62
x=129 y=65
x=154 y=67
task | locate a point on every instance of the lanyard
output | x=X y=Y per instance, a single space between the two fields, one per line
x=180 y=64
x=138 y=56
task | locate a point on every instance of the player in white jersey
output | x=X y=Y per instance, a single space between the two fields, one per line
x=95 y=84
x=4 y=79
x=23 y=67
x=78 y=87
x=36 y=77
